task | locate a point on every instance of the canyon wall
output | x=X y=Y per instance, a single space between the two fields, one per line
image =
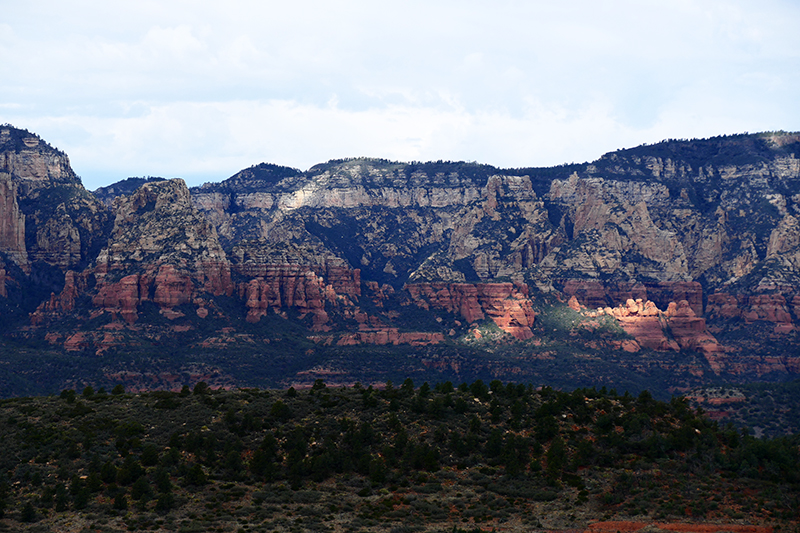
x=679 y=243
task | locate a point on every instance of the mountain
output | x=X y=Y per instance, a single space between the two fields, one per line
x=666 y=266
x=121 y=188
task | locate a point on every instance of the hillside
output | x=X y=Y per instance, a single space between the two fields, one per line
x=404 y=458
x=664 y=267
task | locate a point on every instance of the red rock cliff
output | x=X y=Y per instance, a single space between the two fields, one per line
x=506 y=304
x=596 y=294
x=674 y=329
x=776 y=307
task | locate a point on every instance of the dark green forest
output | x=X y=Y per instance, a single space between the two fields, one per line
x=399 y=458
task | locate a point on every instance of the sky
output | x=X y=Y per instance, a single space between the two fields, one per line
x=200 y=90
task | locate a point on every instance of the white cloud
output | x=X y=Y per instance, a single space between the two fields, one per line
x=200 y=89
x=210 y=141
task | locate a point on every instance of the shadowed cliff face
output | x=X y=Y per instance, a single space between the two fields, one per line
x=162 y=249
x=720 y=211
x=698 y=222
x=678 y=247
x=44 y=202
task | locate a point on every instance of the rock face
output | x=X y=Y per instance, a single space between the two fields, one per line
x=12 y=223
x=612 y=220
x=171 y=249
x=779 y=309
x=506 y=304
x=668 y=242
x=45 y=213
x=34 y=163
x=163 y=251
x=287 y=286
x=676 y=328
x=596 y=294
x=160 y=250
x=125 y=187
x=661 y=217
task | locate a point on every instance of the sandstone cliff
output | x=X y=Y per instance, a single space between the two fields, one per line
x=47 y=214
x=12 y=224
x=694 y=221
x=683 y=247
x=163 y=251
x=677 y=212
x=160 y=250
x=505 y=304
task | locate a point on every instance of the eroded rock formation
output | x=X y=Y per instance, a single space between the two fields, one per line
x=358 y=250
x=12 y=223
x=45 y=213
x=506 y=304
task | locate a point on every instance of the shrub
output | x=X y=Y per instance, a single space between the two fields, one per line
x=121 y=502
x=28 y=513
x=165 y=502
x=196 y=476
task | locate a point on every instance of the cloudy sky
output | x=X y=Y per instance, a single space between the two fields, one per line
x=200 y=90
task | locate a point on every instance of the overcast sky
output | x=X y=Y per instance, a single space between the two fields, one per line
x=200 y=90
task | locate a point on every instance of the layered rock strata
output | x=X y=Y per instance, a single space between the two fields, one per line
x=506 y=304
x=776 y=308
x=172 y=250
x=653 y=225
x=12 y=224
x=597 y=294
x=45 y=213
x=676 y=328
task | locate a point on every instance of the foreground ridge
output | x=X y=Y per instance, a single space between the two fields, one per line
x=476 y=456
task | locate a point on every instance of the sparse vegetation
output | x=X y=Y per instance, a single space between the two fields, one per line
x=443 y=457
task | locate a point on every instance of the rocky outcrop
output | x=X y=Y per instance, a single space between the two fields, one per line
x=286 y=286
x=12 y=224
x=351 y=183
x=645 y=323
x=126 y=187
x=309 y=286
x=74 y=285
x=676 y=328
x=506 y=304
x=370 y=251
x=262 y=202
x=160 y=250
x=274 y=265
x=615 y=217
x=3 y=280
x=723 y=306
x=680 y=210
x=484 y=240
x=648 y=223
x=32 y=162
x=597 y=294
x=122 y=298
x=172 y=249
x=690 y=331
x=774 y=307
x=769 y=307
x=44 y=206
